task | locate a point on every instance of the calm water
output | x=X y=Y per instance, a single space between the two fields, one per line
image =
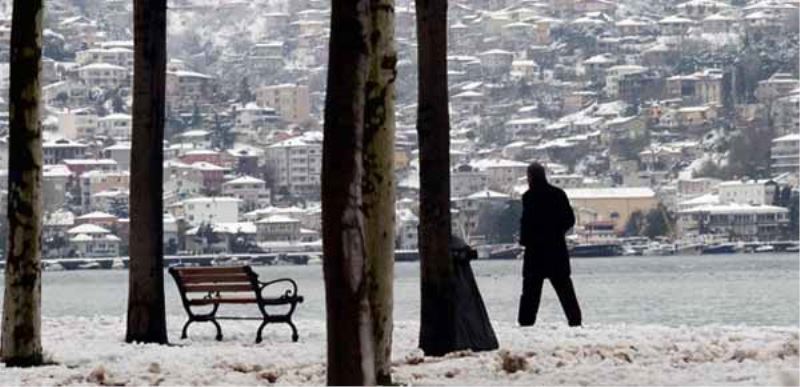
x=755 y=289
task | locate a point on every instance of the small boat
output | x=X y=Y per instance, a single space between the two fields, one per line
x=721 y=248
x=90 y=265
x=596 y=250
x=764 y=249
x=508 y=252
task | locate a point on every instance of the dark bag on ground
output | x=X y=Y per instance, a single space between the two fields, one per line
x=473 y=328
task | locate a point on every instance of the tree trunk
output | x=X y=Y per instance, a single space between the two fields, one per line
x=146 y=316
x=437 y=333
x=22 y=320
x=378 y=181
x=351 y=355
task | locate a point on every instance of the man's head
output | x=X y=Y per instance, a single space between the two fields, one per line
x=536 y=175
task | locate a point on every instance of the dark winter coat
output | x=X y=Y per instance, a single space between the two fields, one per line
x=546 y=217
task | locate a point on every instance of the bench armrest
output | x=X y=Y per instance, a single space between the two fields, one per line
x=290 y=292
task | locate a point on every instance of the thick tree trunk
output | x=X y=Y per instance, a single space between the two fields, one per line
x=21 y=337
x=351 y=347
x=378 y=181
x=437 y=333
x=146 y=317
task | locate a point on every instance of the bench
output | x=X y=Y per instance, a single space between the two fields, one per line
x=202 y=287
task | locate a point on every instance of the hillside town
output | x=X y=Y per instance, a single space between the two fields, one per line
x=673 y=127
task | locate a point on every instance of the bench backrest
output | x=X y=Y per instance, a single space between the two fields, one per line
x=215 y=279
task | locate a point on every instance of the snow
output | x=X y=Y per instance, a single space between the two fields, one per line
x=90 y=350
x=615 y=193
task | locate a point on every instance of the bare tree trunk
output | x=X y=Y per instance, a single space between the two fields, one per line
x=378 y=181
x=351 y=355
x=437 y=333
x=146 y=316
x=22 y=320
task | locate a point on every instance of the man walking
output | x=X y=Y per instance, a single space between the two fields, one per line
x=546 y=217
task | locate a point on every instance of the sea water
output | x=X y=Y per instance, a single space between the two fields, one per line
x=740 y=289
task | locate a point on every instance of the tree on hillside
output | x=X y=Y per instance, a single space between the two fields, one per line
x=635 y=224
x=146 y=315
x=657 y=223
x=245 y=94
x=350 y=340
x=21 y=343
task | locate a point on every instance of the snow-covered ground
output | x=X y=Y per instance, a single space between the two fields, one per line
x=90 y=350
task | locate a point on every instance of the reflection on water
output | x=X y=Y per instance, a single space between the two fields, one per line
x=755 y=289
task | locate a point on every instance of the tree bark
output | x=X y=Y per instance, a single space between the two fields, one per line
x=378 y=181
x=146 y=315
x=437 y=334
x=21 y=336
x=351 y=355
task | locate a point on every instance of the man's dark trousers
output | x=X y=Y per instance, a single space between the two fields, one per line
x=532 y=293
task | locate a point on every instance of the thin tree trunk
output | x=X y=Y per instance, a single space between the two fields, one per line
x=437 y=333
x=146 y=316
x=378 y=181
x=22 y=320
x=351 y=355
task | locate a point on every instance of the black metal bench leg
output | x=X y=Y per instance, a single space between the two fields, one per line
x=219 y=329
x=260 y=329
x=295 y=336
x=186 y=328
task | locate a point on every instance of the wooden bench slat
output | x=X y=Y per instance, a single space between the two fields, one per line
x=228 y=300
x=243 y=300
x=200 y=278
x=244 y=287
x=210 y=270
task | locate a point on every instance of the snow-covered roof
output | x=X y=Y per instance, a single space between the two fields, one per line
x=610 y=193
x=189 y=74
x=497 y=163
x=95 y=215
x=735 y=208
x=88 y=228
x=208 y=167
x=700 y=201
x=228 y=228
x=115 y=116
x=244 y=180
x=215 y=199
x=675 y=19
x=277 y=218
x=102 y=66
x=488 y=194
x=788 y=138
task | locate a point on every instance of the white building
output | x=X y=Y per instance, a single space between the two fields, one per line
x=207 y=210
x=755 y=192
x=252 y=191
x=276 y=228
x=465 y=180
x=496 y=62
x=104 y=75
x=406 y=230
x=291 y=101
x=77 y=124
x=297 y=165
x=785 y=155
x=89 y=240
x=737 y=221
x=116 y=125
x=525 y=127
x=118 y=56
x=501 y=174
